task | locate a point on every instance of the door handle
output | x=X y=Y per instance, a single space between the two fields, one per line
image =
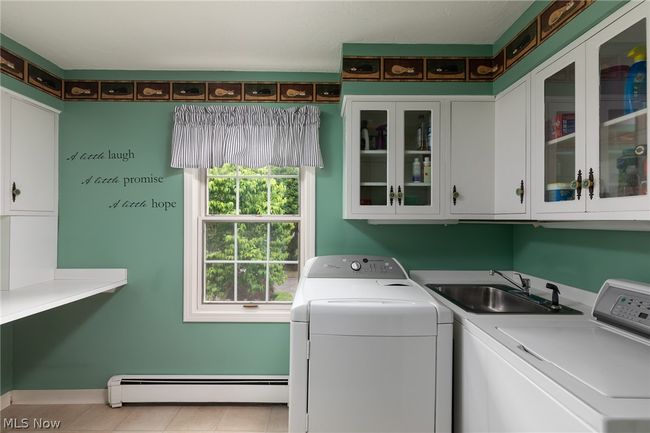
x=454 y=194
x=391 y=195
x=15 y=192
x=399 y=195
x=520 y=192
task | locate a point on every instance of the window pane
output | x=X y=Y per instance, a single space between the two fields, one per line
x=253 y=197
x=251 y=241
x=222 y=198
x=284 y=196
x=219 y=282
x=220 y=241
x=251 y=282
x=283 y=281
x=224 y=170
x=294 y=171
x=245 y=171
x=284 y=241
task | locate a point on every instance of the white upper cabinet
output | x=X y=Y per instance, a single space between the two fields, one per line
x=590 y=123
x=617 y=117
x=558 y=145
x=392 y=158
x=472 y=158
x=28 y=154
x=511 y=150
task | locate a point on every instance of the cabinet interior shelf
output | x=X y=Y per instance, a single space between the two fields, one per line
x=417 y=152
x=373 y=183
x=68 y=285
x=626 y=117
x=417 y=184
x=374 y=152
x=561 y=139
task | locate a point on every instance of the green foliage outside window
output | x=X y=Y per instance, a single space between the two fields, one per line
x=253 y=238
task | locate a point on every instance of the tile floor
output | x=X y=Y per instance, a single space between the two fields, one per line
x=196 y=419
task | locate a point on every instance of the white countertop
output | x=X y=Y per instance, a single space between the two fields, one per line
x=68 y=285
x=499 y=332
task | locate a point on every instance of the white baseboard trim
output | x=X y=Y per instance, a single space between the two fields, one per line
x=58 y=396
x=5 y=400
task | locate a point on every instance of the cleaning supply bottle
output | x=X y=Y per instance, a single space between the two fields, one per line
x=417 y=170
x=427 y=170
x=365 y=137
x=636 y=82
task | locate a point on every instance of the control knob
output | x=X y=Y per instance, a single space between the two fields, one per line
x=356 y=266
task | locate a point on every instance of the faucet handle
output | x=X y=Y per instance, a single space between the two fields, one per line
x=555 y=300
x=525 y=282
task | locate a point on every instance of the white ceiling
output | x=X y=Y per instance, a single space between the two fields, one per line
x=240 y=35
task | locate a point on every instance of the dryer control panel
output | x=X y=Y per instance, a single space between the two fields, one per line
x=625 y=304
x=359 y=267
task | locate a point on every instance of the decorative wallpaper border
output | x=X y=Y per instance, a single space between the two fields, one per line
x=194 y=91
x=378 y=68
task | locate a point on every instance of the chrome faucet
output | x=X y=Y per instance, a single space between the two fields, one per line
x=525 y=282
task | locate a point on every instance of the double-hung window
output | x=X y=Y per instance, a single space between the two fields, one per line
x=248 y=232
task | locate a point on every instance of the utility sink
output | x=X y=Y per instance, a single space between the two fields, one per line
x=496 y=299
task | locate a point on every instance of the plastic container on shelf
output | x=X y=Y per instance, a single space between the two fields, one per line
x=559 y=191
x=417 y=170
x=636 y=83
x=426 y=171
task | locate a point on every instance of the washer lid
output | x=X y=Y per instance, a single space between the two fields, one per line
x=610 y=363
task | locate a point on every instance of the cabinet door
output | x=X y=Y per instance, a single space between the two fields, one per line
x=558 y=144
x=472 y=157
x=30 y=154
x=418 y=143
x=510 y=150
x=617 y=116
x=372 y=157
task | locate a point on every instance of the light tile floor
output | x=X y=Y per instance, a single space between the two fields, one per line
x=180 y=419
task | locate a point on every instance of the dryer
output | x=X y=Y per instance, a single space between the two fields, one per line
x=371 y=350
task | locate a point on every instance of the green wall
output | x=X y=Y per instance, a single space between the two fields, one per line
x=582 y=258
x=6 y=358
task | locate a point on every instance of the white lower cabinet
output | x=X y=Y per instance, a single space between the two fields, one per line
x=490 y=395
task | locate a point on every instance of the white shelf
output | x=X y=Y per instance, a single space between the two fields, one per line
x=417 y=152
x=374 y=152
x=417 y=184
x=561 y=139
x=68 y=285
x=373 y=183
x=626 y=117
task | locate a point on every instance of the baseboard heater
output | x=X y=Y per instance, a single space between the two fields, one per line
x=197 y=389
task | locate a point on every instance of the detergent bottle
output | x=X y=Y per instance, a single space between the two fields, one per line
x=636 y=82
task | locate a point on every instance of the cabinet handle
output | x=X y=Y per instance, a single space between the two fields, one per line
x=399 y=195
x=520 y=191
x=454 y=195
x=590 y=184
x=577 y=185
x=391 y=195
x=15 y=192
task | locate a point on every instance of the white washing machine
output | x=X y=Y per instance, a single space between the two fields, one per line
x=603 y=363
x=371 y=351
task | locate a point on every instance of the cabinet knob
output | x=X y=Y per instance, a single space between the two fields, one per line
x=577 y=185
x=520 y=191
x=391 y=195
x=454 y=195
x=15 y=192
x=399 y=195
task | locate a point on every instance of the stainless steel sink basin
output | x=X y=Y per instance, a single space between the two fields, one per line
x=496 y=299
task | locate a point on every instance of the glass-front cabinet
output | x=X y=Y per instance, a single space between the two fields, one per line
x=559 y=141
x=617 y=117
x=590 y=136
x=392 y=159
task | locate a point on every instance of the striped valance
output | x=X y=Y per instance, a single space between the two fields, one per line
x=247 y=135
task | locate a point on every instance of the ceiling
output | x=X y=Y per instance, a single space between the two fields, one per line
x=240 y=35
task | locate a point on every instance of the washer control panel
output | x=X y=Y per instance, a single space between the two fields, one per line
x=361 y=267
x=624 y=304
x=632 y=308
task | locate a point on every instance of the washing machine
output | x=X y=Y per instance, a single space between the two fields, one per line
x=371 y=351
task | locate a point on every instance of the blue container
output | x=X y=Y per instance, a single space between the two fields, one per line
x=559 y=192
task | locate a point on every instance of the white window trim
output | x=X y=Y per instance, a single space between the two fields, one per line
x=194 y=310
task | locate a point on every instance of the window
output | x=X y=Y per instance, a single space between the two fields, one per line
x=247 y=234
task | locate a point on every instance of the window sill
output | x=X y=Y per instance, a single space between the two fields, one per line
x=237 y=313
